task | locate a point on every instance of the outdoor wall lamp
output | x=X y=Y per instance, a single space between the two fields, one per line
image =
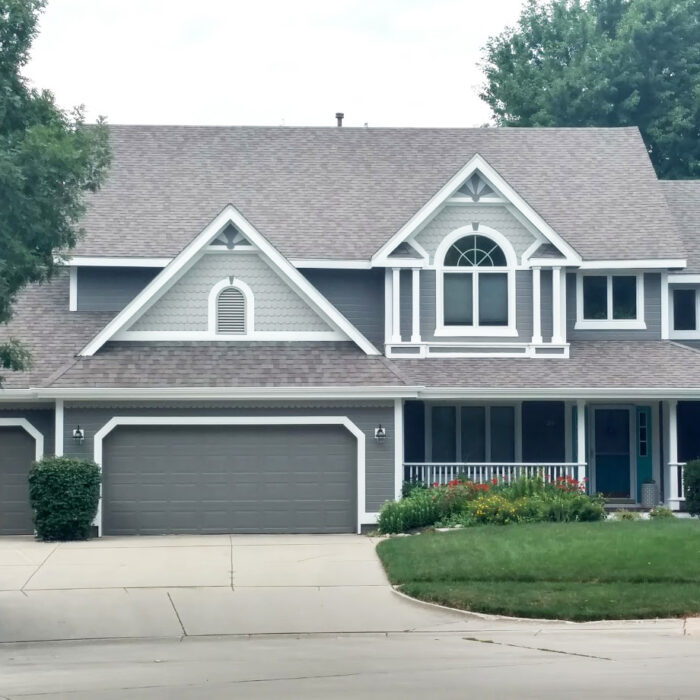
x=79 y=435
x=379 y=433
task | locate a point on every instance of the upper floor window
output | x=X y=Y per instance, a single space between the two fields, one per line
x=475 y=288
x=685 y=315
x=610 y=301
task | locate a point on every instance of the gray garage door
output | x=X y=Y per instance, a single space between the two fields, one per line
x=216 y=479
x=17 y=452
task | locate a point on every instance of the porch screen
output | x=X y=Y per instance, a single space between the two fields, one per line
x=544 y=429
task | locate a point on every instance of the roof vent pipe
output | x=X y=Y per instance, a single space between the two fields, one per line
x=339 y=116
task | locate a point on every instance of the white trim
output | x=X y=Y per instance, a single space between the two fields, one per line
x=665 y=306
x=288 y=336
x=428 y=210
x=343 y=421
x=581 y=448
x=610 y=323
x=73 y=289
x=58 y=428
x=651 y=263
x=189 y=255
x=676 y=278
x=398 y=448
x=86 y=261
x=415 y=306
x=442 y=330
x=331 y=264
x=29 y=428
x=396 y=305
x=387 y=306
x=536 y=307
x=235 y=283
x=669 y=303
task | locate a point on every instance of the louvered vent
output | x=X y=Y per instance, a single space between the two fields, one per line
x=230 y=312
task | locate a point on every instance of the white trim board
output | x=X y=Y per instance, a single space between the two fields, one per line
x=28 y=428
x=428 y=210
x=640 y=264
x=188 y=257
x=362 y=516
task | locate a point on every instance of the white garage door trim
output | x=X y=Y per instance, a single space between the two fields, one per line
x=109 y=426
x=29 y=428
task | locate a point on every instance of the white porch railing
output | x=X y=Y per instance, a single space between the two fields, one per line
x=676 y=488
x=481 y=472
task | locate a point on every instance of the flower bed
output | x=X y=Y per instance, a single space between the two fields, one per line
x=464 y=503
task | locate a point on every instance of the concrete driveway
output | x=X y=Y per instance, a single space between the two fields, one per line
x=190 y=586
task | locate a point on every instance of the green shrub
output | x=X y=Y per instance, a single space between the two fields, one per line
x=422 y=508
x=661 y=512
x=691 y=486
x=408 y=487
x=627 y=515
x=64 y=494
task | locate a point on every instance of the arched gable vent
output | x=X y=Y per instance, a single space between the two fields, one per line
x=231 y=311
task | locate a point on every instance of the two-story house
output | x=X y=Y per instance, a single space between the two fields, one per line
x=269 y=329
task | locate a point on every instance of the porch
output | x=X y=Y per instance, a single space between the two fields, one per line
x=613 y=447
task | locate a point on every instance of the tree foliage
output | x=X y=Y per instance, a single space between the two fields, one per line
x=48 y=160
x=604 y=63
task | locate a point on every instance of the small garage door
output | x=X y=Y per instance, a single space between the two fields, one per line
x=217 y=479
x=17 y=452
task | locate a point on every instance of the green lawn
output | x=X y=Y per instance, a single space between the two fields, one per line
x=572 y=571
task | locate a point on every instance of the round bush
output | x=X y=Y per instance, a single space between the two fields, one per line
x=64 y=494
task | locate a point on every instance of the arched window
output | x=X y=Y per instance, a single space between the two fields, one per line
x=476 y=286
x=230 y=311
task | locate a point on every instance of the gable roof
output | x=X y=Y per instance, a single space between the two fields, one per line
x=174 y=270
x=330 y=193
x=683 y=197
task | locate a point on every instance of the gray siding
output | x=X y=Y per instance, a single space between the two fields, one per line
x=357 y=294
x=453 y=217
x=41 y=418
x=523 y=310
x=652 y=314
x=379 y=456
x=546 y=315
x=111 y=288
x=406 y=304
x=185 y=306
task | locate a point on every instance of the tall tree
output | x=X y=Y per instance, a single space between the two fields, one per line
x=48 y=160
x=604 y=63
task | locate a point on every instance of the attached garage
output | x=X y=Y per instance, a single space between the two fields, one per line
x=168 y=479
x=17 y=452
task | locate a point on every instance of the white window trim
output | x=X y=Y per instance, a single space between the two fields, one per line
x=685 y=334
x=610 y=323
x=440 y=270
x=363 y=518
x=249 y=307
x=28 y=428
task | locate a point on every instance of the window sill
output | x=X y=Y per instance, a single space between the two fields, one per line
x=476 y=331
x=619 y=325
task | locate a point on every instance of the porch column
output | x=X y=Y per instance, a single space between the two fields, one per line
x=581 y=439
x=415 y=299
x=536 y=307
x=558 y=306
x=58 y=428
x=398 y=448
x=672 y=495
x=396 y=305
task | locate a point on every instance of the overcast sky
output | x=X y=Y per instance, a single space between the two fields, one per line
x=293 y=62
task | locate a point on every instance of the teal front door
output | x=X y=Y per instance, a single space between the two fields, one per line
x=612 y=453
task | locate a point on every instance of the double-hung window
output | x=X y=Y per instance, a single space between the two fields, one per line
x=610 y=301
x=685 y=312
x=475 y=289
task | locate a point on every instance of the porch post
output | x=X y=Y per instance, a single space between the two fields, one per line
x=536 y=307
x=58 y=428
x=398 y=448
x=672 y=495
x=396 y=305
x=581 y=439
x=415 y=289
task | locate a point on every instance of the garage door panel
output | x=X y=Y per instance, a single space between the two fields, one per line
x=17 y=452
x=167 y=479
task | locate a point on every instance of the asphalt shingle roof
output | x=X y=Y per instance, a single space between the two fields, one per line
x=342 y=193
x=683 y=197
